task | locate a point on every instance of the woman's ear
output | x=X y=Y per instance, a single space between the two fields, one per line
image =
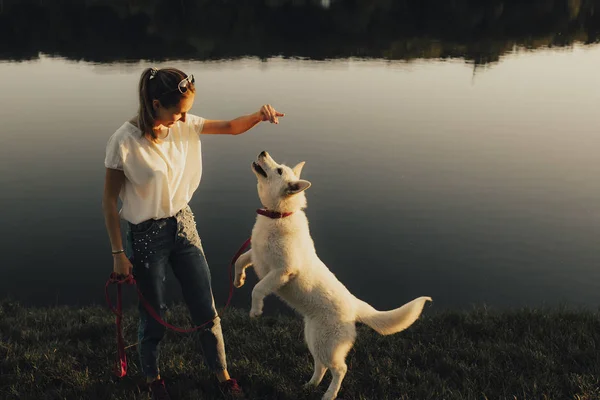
x=155 y=104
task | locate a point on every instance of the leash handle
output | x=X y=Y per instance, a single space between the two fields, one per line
x=121 y=365
x=121 y=362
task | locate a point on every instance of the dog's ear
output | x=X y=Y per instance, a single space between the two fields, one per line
x=298 y=169
x=297 y=187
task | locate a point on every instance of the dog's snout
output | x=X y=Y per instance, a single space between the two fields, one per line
x=263 y=154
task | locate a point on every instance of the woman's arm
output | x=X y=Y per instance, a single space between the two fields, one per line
x=113 y=181
x=243 y=123
x=112 y=187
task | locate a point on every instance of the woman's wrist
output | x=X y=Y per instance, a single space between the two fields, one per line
x=117 y=252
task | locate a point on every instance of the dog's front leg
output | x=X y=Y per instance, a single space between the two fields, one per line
x=267 y=285
x=243 y=262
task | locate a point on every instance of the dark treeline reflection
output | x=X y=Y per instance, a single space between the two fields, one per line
x=118 y=30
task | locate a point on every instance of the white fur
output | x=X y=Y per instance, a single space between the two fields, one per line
x=284 y=258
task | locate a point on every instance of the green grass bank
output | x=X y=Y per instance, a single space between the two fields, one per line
x=68 y=353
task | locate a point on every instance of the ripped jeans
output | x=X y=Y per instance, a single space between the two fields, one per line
x=174 y=241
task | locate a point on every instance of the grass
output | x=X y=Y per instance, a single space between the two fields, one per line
x=68 y=353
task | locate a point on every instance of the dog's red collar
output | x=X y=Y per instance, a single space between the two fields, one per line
x=273 y=214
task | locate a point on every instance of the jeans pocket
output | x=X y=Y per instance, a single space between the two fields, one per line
x=143 y=227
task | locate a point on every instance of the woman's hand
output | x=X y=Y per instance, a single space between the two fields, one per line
x=268 y=113
x=121 y=265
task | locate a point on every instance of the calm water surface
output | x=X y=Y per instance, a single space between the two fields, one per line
x=470 y=184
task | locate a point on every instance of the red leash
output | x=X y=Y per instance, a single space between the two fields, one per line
x=121 y=366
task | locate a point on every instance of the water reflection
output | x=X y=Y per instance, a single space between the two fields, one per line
x=423 y=182
x=108 y=31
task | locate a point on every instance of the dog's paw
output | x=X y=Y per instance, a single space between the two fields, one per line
x=255 y=312
x=309 y=386
x=328 y=396
x=240 y=279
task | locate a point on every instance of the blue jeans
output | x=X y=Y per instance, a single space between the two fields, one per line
x=174 y=241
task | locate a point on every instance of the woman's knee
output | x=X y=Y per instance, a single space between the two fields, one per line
x=203 y=315
x=150 y=328
x=211 y=332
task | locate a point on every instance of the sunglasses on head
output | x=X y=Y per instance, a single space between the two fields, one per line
x=185 y=82
x=182 y=86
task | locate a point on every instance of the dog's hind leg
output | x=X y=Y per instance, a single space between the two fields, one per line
x=243 y=262
x=337 y=342
x=338 y=372
x=318 y=375
x=320 y=369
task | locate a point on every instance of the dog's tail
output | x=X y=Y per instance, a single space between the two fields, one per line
x=388 y=322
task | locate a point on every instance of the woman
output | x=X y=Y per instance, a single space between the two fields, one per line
x=153 y=163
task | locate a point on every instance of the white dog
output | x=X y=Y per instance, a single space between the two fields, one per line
x=284 y=259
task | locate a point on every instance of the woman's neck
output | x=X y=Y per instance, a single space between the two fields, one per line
x=161 y=132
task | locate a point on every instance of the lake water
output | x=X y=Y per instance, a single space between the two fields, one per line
x=453 y=170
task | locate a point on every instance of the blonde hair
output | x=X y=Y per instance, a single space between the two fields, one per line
x=159 y=84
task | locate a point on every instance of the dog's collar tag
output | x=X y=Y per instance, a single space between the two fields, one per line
x=273 y=214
